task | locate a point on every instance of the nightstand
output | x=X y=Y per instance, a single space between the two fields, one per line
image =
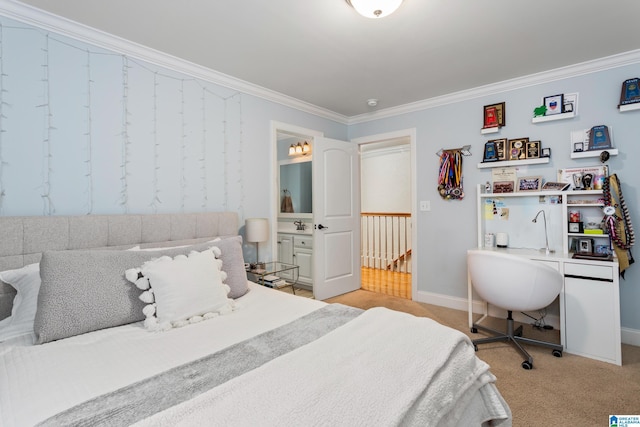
x=275 y=268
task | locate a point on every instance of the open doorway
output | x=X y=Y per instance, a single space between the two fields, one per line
x=386 y=251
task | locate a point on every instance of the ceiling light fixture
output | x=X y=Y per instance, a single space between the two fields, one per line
x=372 y=102
x=375 y=8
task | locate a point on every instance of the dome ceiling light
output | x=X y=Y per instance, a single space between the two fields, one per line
x=375 y=8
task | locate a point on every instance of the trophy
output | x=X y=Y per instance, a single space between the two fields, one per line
x=577 y=181
x=586 y=180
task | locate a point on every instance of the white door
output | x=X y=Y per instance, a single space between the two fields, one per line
x=336 y=218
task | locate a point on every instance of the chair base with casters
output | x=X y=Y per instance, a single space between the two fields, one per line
x=515 y=337
x=513 y=283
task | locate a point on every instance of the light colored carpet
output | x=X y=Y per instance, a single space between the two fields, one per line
x=571 y=390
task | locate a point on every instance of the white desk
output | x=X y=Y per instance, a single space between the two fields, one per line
x=589 y=304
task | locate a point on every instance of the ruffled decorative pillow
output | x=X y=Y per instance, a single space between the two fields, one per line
x=182 y=290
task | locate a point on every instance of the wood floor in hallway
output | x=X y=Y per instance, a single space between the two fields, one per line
x=386 y=282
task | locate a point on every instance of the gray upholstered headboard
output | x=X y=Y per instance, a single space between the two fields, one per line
x=23 y=239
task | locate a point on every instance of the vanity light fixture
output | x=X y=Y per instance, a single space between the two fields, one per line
x=300 y=149
x=375 y=8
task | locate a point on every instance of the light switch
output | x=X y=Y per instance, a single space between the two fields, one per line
x=425 y=205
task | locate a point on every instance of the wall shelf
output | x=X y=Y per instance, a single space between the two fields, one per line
x=508 y=163
x=485 y=131
x=593 y=153
x=553 y=117
x=629 y=107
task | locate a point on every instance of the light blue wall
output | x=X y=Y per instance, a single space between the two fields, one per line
x=85 y=130
x=449 y=229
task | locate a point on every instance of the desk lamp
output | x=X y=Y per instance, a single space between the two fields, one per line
x=546 y=237
x=257 y=230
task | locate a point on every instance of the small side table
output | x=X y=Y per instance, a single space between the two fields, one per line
x=274 y=268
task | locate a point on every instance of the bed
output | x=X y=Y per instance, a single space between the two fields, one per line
x=214 y=350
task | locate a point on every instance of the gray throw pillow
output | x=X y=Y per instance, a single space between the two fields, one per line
x=233 y=264
x=86 y=290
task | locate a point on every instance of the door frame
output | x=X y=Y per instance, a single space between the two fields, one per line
x=411 y=134
x=293 y=130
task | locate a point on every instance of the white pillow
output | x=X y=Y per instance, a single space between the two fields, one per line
x=182 y=290
x=26 y=281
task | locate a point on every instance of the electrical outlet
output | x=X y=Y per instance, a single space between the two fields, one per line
x=425 y=205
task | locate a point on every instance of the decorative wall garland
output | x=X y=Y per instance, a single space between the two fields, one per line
x=125 y=135
x=156 y=190
x=2 y=117
x=203 y=152
x=89 y=141
x=47 y=169
x=49 y=148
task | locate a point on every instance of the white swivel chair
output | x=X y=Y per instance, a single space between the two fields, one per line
x=515 y=284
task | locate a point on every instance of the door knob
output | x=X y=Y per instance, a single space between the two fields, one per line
x=321 y=227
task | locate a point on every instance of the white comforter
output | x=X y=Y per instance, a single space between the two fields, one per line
x=300 y=388
x=383 y=368
x=39 y=381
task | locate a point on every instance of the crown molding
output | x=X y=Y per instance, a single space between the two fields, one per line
x=49 y=22
x=588 y=67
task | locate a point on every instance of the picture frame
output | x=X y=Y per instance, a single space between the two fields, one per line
x=503 y=187
x=529 y=183
x=533 y=150
x=517 y=148
x=576 y=227
x=585 y=246
x=599 y=138
x=554 y=104
x=545 y=152
x=555 y=186
x=578 y=147
x=501 y=147
x=630 y=93
x=494 y=115
x=490 y=153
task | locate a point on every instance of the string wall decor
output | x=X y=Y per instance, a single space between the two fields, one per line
x=2 y=117
x=98 y=78
x=183 y=150
x=240 y=155
x=154 y=133
x=88 y=135
x=450 y=173
x=47 y=168
x=203 y=151
x=124 y=175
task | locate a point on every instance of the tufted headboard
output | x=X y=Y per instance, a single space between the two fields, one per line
x=24 y=238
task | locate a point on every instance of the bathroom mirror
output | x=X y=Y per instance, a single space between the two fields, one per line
x=295 y=187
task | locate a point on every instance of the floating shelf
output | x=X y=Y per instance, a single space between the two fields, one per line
x=553 y=117
x=629 y=107
x=507 y=163
x=494 y=129
x=593 y=153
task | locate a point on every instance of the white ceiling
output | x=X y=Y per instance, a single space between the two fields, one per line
x=324 y=53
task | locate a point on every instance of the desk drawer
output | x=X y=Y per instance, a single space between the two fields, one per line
x=601 y=272
x=303 y=242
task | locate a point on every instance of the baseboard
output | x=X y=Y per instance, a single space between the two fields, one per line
x=627 y=335
x=478 y=307
x=630 y=336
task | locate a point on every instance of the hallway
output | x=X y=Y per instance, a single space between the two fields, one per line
x=386 y=282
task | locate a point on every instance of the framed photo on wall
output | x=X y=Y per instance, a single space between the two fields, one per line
x=501 y=148
x=529 y=183
x=494 y=115
x=554 y=104
x=517 y=148
x=533 y=149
